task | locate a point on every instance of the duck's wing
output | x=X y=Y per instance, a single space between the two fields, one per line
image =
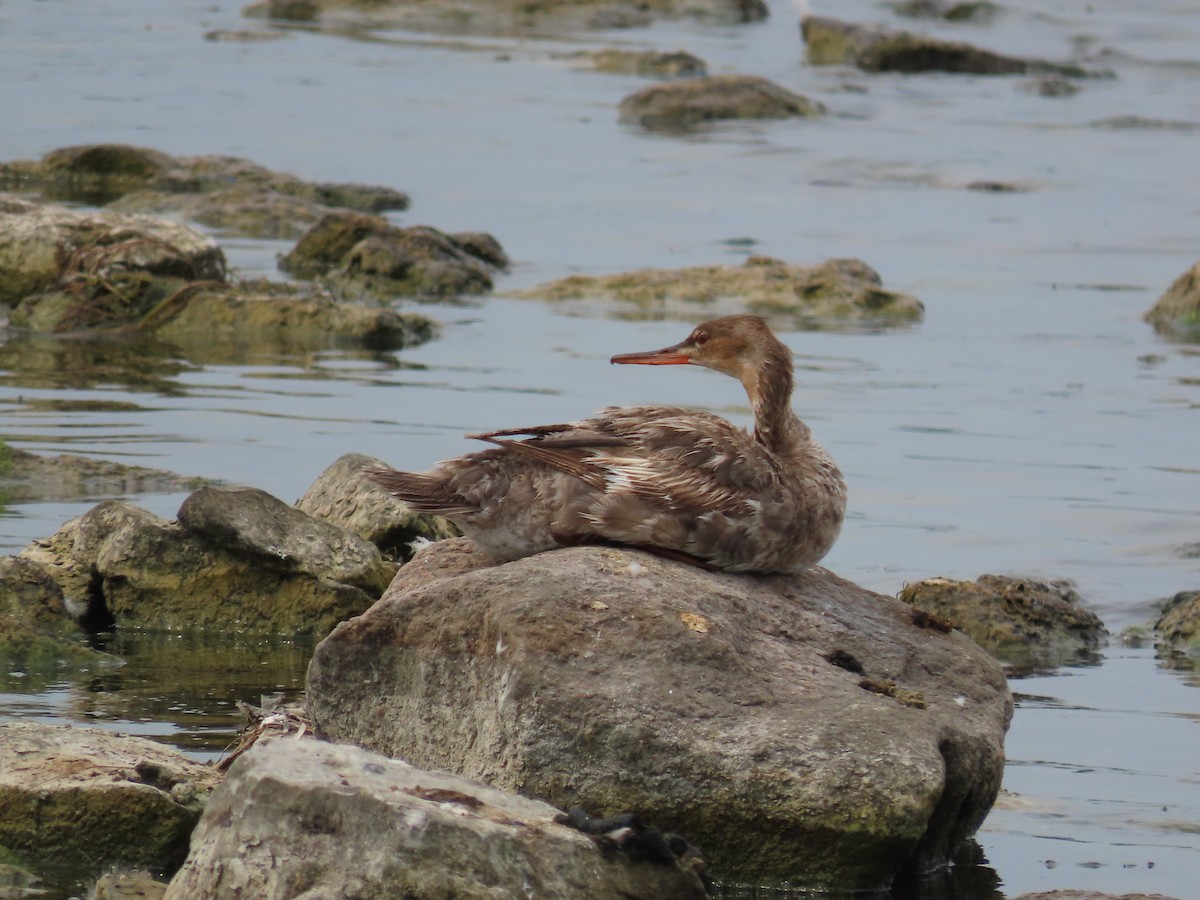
x=667 y=455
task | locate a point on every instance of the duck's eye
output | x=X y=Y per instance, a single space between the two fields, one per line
x=700 y=338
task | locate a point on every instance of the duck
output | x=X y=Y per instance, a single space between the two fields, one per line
x=677 y=482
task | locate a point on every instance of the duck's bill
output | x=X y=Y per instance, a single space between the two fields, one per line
x=668 y=356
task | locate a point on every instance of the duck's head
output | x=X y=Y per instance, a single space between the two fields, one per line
x=741 y=346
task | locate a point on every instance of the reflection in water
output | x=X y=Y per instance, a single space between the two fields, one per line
x=134 y=361
x=143 y=363
x=181 y=689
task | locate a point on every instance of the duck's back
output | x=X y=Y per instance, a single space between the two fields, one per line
x=654 y=477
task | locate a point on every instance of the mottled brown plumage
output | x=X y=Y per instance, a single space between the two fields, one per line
x=657 y=477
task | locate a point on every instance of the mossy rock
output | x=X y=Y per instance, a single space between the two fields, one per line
x=38 y=635
x=1024 y=622
x=236 y=560
x=245 y=315
x=838 y=290
x=682 y=104
x=1177 y=311
x=1179 y=629
x=834 y=42
x=354 y=254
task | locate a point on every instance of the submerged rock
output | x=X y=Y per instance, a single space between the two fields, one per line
x=837 y=289
x=1177 y=312
x=505 y=16
x=651 y=63
x=237 y=559
x=799 y=729
x=833 y=42
x=93 y=799
x=1178 y=628
x=345 y=497
x=232 y=194
x=681 y=104
x=355 y=254
x=313 y=819
x=1022 y=621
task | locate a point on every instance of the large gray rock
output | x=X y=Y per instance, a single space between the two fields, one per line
x=237 y=559
x=80 y=795
x=797 y=729
x=309 y=819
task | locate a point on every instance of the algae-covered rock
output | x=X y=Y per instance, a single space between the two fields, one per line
x=1178 y=628
x=246 y=315
x=71 y=270
x=1025 y=622
x=38 y=635
x=681 y=104
x=505 y=16
x=833 y=42
x=650 y=63
x=115 y=273
x=345 y=497
x=1177 y=312
x=835 y=290
x=229 y=193
x=799 y=729
x=94 y=799
x=314 y=819
x=355 y=254
x=237 y=559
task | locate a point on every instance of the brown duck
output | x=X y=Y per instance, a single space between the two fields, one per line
x=672 y=481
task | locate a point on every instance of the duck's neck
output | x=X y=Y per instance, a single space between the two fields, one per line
x=769 y=387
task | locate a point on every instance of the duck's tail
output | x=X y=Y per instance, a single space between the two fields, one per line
x=422 y=492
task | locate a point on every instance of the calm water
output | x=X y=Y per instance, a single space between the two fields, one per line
x=1032 y=424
